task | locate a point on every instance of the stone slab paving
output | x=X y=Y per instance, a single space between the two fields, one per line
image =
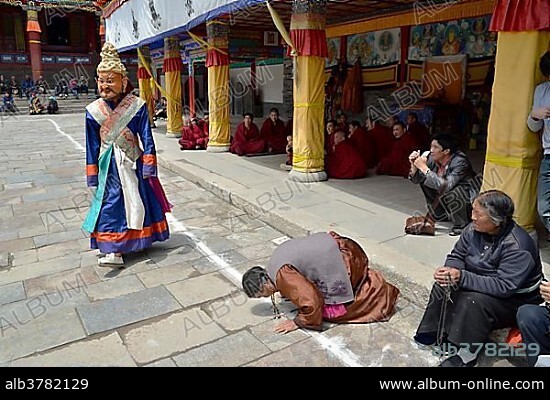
x=25 y=257
x=377 y=345
x=172 y=335
x=307 y=353
x=54 y=329
x=115 y=288
x=107 y=351
x=76 y=278
x=20 y=313
x=109 y=314
x=44 y=240
x=207 y=265
x=12 y=292
x=275 y=341
x=60 y=249
x=33 y=270
x=166 y=275
x=165 y=363
x=17 y=244
x=192 y=291
x=230 y=351
x=239 y=312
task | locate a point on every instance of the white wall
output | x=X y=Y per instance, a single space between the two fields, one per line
x=269 y=79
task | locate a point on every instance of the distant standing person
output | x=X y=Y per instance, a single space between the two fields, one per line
x=539 y=120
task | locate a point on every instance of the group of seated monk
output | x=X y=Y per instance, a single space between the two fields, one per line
x=272 y=138
x=352 y=151
x=194 y=134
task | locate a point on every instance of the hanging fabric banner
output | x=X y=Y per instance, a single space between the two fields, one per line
x=139 y=22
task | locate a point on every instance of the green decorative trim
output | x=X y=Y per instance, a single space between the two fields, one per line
x=261 y=63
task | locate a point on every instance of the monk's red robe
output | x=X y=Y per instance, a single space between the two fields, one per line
x=247 y=141
x=205 y=126
x=193 y=138
x=382 y=140
x=374 y=298
x=421 y=134
x=329 y=142
x=275 y=135
x=344 y=162
x=362 y=143
x=396 y=163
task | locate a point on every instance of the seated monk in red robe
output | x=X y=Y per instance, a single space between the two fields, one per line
x=381 y=138
x=418 y=131
x=360 y=141
x=329 y=135
x=273 y=131
x=396 y=163
x=193 y=137
x=247 y=139
x=344 y=162
x=204 y=124
x=328 y=278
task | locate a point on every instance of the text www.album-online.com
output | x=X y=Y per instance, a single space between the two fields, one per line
x=480 y=384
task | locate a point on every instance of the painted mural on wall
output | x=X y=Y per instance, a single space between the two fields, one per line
x=466 y=36
x=333 y=46
x=375 y=48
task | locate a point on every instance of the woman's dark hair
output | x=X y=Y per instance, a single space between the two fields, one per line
x=248 y=114
x=545 y=64
x=447 y=142
x=499 y=206
x=254 y=280
x=275 y=110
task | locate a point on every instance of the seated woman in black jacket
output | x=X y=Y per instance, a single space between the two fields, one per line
x=493 y=269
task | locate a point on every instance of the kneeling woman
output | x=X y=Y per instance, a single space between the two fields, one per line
x=328 y=278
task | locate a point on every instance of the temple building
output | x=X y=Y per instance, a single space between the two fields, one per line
x=53 y=39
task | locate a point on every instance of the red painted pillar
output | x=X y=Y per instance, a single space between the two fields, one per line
x=35 y=44
x=102 y=30
x=191 y=84
x=253 y=80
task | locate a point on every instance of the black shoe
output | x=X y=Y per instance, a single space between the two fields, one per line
x=456 y=361
x=426 y=339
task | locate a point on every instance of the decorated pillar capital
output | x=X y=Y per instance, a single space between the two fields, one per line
x=218 y=43
x=32 y=21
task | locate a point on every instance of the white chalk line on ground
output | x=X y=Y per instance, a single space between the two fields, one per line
x=338 y=350
x=57 y=128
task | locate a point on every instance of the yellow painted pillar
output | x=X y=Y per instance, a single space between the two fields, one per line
x=307 y=31
x=145 y=81
x=217 y=62
x=513 y=151
x=172 y=75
